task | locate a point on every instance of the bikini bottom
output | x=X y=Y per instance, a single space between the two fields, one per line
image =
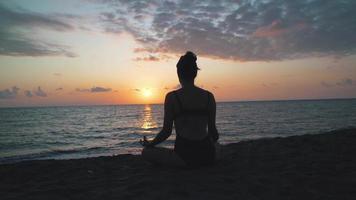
x=195 y=152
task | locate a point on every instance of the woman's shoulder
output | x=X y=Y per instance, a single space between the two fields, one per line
x=209 y=94
x=171 y=95
x=204 y=91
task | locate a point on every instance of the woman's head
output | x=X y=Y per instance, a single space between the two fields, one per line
x=187 y=67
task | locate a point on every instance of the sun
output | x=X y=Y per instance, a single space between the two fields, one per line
x=146 y=92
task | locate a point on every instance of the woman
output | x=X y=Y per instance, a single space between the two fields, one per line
x=192 y=110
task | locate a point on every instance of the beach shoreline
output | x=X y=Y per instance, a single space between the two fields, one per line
x=318 y=166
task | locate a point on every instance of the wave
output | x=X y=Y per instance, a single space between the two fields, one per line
x=50 y=154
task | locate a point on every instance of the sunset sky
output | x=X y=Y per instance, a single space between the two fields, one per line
x=86 y=52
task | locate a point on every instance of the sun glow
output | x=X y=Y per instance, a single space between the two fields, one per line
x=146 y=92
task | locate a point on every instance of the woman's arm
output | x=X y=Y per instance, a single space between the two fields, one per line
x=212 y=131
x=167 y=122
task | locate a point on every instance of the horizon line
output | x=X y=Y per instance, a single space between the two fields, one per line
x=133 y=104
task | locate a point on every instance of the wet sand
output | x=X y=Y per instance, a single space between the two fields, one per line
x=319 y=166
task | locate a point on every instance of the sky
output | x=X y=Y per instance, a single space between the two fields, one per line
x=98 y=52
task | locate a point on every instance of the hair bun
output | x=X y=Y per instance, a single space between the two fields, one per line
x=188 y=60
x=187 y=66
x=190 y=56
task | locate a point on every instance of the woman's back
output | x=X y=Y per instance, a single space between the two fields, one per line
x=191 y=108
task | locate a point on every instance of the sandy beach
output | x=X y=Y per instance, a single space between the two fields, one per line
x=319 y=166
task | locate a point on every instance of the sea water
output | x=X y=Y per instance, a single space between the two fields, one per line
x=89 y=131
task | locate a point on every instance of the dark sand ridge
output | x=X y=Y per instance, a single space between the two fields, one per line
x=303 y=167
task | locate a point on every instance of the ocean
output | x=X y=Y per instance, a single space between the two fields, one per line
x=89 y=131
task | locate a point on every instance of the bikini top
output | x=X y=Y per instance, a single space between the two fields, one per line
x=192 y=112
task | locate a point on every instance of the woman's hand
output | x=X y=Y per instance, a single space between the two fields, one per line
x=145 y=142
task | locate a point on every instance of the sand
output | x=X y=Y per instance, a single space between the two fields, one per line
x=319 y=166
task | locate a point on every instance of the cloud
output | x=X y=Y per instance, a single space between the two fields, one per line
x=245 y=30
x=346 y=82
x=100 y=89
x=39 y=92
x=18 y=25
x=20 y=17
x=148 y=58
x=94 y=89
x=326 y=84
x=22 y=46
x=153 y=55
x=9 y=93
x=175 y=87
x=28 y=93
x=82 y=90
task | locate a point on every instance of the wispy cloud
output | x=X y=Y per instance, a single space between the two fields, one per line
x=94 y=89
x=175 y=87
x=346 y=82
x=9 y=93
x=147 y=58
x=17 y=27
x=28 y=93
x=100 y=89
x=82 y=90
x=39 y=92
x=152 y=55
x=243 y=30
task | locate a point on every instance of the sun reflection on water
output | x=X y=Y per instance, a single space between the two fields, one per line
x=148 y=123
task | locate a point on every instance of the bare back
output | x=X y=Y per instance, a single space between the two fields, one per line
x=192 y=107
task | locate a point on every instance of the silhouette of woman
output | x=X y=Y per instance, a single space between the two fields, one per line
x=192 y=110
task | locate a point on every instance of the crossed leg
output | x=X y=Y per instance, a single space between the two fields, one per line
x=162 y=156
